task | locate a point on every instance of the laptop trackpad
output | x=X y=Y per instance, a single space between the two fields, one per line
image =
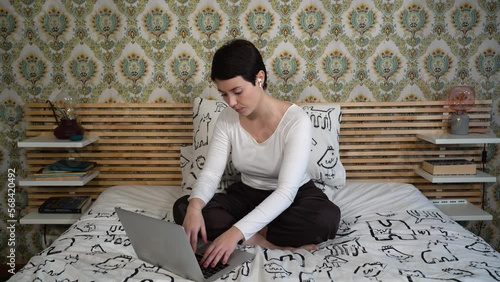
x=202 y=247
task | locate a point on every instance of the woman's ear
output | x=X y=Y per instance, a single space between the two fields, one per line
x=259 y=78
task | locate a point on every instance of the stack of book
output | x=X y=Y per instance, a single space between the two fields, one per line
x=449 y=167
x=65 y=170
x=75 y=204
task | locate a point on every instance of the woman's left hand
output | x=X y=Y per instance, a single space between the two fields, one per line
x=222 y=247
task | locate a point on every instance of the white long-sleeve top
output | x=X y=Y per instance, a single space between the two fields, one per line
x=279 y=163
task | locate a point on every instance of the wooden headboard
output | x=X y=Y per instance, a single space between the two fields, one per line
x=140 y=144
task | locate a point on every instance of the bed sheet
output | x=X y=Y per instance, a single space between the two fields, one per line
x=388 y=232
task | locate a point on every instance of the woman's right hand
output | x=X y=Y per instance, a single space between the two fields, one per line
x=194 y=223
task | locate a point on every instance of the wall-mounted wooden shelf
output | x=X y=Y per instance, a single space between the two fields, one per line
x=48 y=141
x=53 y=142
x=479 y=177
x=471 y=138
x=461 y=210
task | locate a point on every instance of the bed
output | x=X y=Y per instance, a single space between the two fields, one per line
x=390 y=230
x=408 y=240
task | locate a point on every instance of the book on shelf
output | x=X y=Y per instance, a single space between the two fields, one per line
x=40 y=175
x=70 y=166
x=449 y=167
x=69 y=204
x=65 y=170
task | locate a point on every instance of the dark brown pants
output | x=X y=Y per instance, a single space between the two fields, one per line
x=311 y=219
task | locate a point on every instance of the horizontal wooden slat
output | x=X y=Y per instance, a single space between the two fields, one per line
x=383 y=163
x=125 y=120
x=127 y=169
x=139 y=144
x=402 y=104
x=375 y=167
x=438 y=117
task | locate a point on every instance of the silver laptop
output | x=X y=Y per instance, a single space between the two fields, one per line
x=166 y=245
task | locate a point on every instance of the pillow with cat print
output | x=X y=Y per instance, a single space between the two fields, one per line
x=205 y=114
x=325 y=167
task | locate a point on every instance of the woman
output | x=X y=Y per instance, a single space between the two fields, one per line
x=276 y=205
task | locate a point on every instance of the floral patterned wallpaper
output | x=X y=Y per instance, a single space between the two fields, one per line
x=160 y=52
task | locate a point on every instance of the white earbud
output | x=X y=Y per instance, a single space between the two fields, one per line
x=259 y=80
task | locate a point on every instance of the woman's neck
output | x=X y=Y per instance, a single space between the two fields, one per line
x=268 y=108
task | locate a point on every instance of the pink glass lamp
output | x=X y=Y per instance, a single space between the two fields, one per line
x=460 y=99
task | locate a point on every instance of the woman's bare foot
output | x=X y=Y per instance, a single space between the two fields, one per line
x=259 y=240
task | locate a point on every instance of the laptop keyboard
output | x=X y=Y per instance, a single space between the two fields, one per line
x=209 y=271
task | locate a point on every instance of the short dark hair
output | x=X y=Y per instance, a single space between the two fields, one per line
x=238 y=57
